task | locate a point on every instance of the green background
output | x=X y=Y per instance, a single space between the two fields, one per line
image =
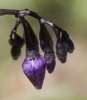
x=69 y=80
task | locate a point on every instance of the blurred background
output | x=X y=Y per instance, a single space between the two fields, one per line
x=69 y=80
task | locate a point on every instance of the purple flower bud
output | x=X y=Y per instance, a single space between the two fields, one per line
x=46 y=44
x=34 y=64
x=34 y=69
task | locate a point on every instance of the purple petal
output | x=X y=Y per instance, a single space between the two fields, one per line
x=34 y=69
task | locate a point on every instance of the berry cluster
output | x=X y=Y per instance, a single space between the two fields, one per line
x=34 y=65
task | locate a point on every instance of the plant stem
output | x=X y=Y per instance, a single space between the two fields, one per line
x=19 y=13
x=8 y=11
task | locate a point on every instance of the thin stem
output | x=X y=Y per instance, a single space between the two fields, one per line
x=16 y=24
x=19 y=13
x=15 y=27
x=22 y=13
x=9 y=11
x=35 y=15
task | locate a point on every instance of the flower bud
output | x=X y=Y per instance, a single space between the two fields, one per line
x=46 y=44
x=34 y=69
x=16 y=43
x=34 y=64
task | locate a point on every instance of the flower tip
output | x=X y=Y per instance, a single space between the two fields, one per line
x=62 y=60
x=15 y=57
x=71 y=51
x=38 y=87
x=50 y=66
x=15 y=52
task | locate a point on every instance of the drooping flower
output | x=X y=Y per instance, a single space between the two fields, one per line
x=16 y=42
x=46 y=44
x=63 y=45
x=61 y=50
x=34 y=64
